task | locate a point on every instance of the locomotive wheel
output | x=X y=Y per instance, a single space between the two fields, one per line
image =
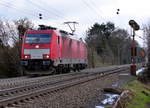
x=60 y=69
x=68 y=70
x=22 y=71
x=74 y=69
x=53 y=71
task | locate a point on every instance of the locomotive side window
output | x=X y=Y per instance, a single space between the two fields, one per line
x=58 y=40
x=38 y=38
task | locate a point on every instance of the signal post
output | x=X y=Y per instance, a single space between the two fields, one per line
x=135 y=27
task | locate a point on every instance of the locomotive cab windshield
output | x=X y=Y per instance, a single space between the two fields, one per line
x=38 y=38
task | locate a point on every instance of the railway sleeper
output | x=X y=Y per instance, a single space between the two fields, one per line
x=60 y=88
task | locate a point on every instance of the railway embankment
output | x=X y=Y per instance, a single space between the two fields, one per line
x=139 y=96
x=135 y=92
x=76 y=90
x=78 y=96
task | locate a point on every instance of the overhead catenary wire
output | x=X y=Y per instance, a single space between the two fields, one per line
x=16 y=9
x=57 y=12
x=50 y=7
x=94 y=5
x=25 y=11
x=57 y=15
x=88 y=17
x=92 y=8
x=28 y=12
x=89 y=5
x=51 y=10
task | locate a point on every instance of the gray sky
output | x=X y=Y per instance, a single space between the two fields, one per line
x=86 y=12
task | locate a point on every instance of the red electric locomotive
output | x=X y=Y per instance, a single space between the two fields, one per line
x=53 y=50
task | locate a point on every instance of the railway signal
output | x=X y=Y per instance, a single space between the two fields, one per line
x=133 y=51
x=135 y=27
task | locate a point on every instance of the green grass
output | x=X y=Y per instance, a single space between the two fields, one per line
x=139 y=99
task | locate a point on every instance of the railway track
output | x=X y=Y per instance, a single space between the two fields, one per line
x=22 y=81
x=4 y=83
x=22 y=94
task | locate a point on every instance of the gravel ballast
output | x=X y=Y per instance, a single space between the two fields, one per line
x=79 y=96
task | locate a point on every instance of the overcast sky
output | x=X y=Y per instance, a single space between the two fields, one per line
x=86 y=12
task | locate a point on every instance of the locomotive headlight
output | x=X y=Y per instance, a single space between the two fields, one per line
x=37 y=46
x=46 y=56
x=26 y=56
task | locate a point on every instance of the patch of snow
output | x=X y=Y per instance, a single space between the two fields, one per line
x=139 y=71
x=111 y=98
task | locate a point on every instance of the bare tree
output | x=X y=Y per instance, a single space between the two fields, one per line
x=22 y=26
x=147 y=31
x=4 y=37
x=7 y=56
x=10 y=45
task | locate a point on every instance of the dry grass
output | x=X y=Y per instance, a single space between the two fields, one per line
x=141 y=95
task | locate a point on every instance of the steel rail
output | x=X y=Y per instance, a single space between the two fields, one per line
x=21 y=89
x=16 y=82
x=33 y=85
x=15 y=100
